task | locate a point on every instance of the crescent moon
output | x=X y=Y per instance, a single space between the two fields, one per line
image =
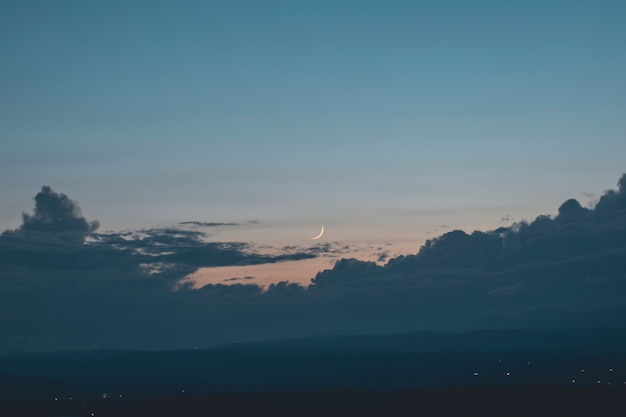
x=320 y=235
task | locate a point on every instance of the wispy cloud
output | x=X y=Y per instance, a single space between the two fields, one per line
x=206 y=224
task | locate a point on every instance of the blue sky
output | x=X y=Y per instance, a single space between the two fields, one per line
x=381 y=120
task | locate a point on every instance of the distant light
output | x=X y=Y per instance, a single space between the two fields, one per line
x=598 y=381
x=573 y=380
x=528 y=363
x=476 y=374
x=508 y=374
x=610 y=369
x=582 y=370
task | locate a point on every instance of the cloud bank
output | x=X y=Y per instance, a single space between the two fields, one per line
x=62 y=284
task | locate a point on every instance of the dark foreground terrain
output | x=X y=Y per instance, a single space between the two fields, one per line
x=539 y=373
x=531 y=401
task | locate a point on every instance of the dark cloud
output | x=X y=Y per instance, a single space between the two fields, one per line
x=383 y=256
x=345 y=270
x=539 y=268
x=571 y=211
x=234 y=279
x=190 y=248
x=55 y=214
x=164 y=249
x=613 y=203
x=60 y=282
x=327 y=249
x=206 y=224
x=125 y=290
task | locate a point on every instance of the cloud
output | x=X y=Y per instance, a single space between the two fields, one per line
x=125 y=289
x=54 y=237
x=190 y=248
x=506 y=218
x=234 y=279
x=206 y=224
x=56 y=214
x=456 y=278
x=382 y=256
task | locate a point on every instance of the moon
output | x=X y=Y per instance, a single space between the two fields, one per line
x=320 y=235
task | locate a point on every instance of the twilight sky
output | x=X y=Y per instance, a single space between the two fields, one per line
x=378 y=119
x=245 y=125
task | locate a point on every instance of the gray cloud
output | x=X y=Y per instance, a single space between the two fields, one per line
x=206 y=224
x=234 y=279
x=382 y=256
x=53 y=239
x=56 y=214
x=506 y=218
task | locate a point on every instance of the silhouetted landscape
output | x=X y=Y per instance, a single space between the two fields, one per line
x=510 y=373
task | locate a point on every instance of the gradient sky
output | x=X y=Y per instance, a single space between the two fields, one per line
x=382 y=120
x=211 y=140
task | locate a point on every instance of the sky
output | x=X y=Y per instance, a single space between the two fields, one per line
x=379 y=119
x=247 y=125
